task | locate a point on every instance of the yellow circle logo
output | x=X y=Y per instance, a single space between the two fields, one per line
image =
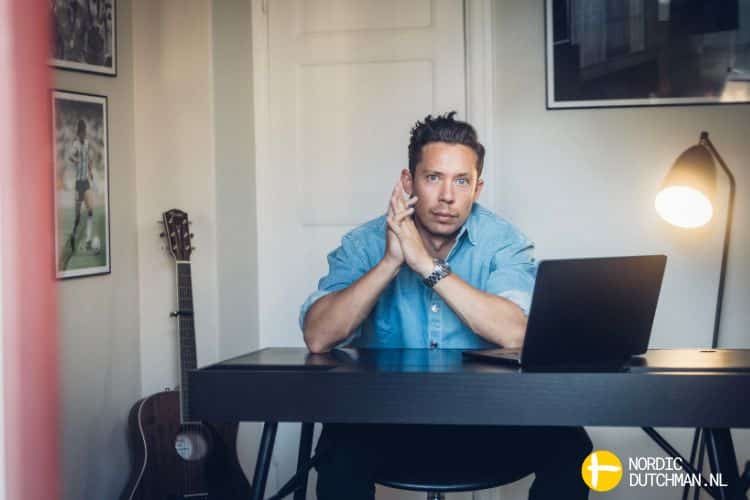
x=601 y=470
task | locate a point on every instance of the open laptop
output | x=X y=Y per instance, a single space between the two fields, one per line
x=588 y=313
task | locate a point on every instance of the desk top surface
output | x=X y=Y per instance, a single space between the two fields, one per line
x=452 y=360
x=679 y=388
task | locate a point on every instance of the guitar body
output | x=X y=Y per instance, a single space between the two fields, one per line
x=172 y=460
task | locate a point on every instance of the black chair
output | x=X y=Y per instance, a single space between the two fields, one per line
x=434 y=481
x=437 y=481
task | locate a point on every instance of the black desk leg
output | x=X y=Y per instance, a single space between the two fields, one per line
x=264 y=460
x=305 y=448
x=723 y=460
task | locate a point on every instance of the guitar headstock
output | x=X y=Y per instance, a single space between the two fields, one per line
x=177 y=233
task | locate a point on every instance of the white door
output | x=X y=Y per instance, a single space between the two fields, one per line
x=339 y=84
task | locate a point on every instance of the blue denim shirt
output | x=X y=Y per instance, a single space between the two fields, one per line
x=489 y=253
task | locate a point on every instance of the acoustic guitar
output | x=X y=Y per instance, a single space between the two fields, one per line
x=174 y=456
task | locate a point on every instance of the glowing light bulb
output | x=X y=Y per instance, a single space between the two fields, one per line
x=683 y=206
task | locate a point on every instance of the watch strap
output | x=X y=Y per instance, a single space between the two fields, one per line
x=442 y=269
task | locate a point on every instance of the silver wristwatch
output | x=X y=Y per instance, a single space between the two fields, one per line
x=442 y=269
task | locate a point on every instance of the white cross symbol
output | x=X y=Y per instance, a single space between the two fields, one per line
x=595 y=468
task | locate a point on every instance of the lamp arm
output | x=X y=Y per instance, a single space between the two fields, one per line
x=727 y=236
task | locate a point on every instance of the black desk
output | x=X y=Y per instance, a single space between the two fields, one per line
x=679 y=388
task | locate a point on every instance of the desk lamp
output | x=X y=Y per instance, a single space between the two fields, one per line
x=687 y=196
x=686 y=199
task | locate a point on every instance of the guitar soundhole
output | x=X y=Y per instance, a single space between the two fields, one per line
x=191 y=445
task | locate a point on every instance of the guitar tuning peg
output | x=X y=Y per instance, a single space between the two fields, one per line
x=192 y=235
x=193 y=249
x=162 y=234
x=160 y=222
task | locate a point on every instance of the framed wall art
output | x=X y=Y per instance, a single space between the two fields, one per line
x=81 y=174
x=603 y=53
x=84 y=35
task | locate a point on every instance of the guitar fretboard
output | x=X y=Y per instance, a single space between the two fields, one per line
x=186 y=329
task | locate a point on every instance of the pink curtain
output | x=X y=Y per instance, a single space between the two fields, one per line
x=29 y=316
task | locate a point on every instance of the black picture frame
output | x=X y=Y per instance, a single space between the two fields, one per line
x=84 y=36
x=81 y=178
x=646 y=53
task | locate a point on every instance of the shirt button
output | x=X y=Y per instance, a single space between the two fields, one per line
x=435 y=308
x=433 y=344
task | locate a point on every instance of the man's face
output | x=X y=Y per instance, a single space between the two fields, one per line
x=447 y=184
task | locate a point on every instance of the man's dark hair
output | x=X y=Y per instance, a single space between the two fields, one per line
x=443 y=128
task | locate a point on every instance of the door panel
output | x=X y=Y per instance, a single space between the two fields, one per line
x=347 y=79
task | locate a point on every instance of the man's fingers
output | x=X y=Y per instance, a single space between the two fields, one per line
x=393 y=226
x=403 y=214
x=390 y=209
x=401 y=192
x=397 y=205
x=397 y=192
x=398 y=202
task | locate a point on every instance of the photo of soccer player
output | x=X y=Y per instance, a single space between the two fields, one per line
x=81 y=173
x=83 y=35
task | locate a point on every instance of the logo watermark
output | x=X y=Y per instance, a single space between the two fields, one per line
x=602 y=470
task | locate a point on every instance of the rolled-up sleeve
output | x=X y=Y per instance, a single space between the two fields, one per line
x=345 y=266
x=513 y=272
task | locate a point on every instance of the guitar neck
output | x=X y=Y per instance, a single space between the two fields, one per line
x=186 y=329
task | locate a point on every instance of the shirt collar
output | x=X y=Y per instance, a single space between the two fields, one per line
x=471 y=226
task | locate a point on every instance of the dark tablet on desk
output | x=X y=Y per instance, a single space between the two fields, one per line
x=287 y=359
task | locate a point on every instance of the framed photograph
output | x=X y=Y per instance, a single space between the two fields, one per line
x=605 y=53
x=81 y=174
x=83 y=35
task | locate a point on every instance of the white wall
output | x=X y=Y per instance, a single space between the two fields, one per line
x=235 y=177
x=99 y=345
x=582 y=183
x=174 y=144
x=236 y=224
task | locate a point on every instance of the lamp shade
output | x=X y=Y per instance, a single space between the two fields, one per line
x=687 y=194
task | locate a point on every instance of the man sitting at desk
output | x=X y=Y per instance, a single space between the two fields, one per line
x=437 y=271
